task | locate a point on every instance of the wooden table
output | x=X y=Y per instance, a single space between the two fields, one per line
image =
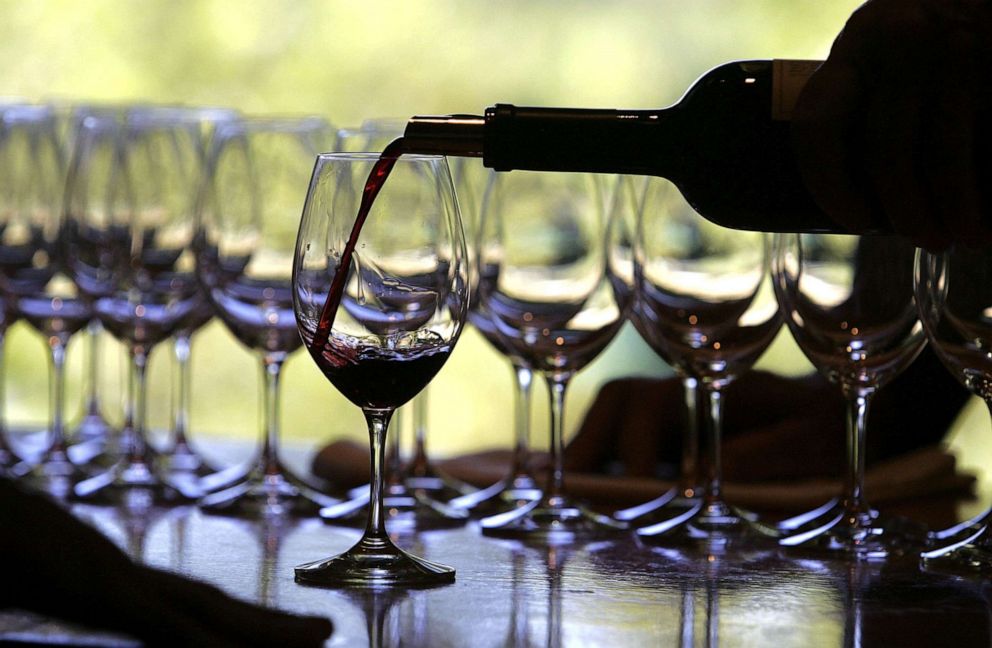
x=617 y=593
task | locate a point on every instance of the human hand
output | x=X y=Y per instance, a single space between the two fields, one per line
x=57 y=565
x=894 y=121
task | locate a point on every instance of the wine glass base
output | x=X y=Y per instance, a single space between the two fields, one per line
x=810 y=519
x=260 y=494
x=503 y=496
x=968 y=555
x=183 y=460
x=435 y=484
x=93 y=427
x=104 y=455
x=712 y=525
x=561 y=521
x=133 y=485
x=866 y=536
x=379 y=565
x=669 y=504
x=962 y=531
x=53 y=477
x=405 y=512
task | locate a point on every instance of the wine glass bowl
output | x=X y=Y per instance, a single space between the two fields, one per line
x=379 y=312
x=849 y=304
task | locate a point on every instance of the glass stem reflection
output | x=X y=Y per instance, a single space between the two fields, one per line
x=271 y=370
x=378 y=422
x=857 y=419
x=553 y=493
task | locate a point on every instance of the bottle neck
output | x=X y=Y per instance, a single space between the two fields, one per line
x=550 y=139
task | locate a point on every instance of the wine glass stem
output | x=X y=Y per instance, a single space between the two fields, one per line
x=553 y=495
x=857 y=420
x=6 y=454
x=689 y=473
x=181 y=349
x=394 y=468
x=93 y=330
x=56 y=447
x=419 y=465
x=137 y=450
x=714 y=466
x=521 y=420
x=271 y=370
x=378 y=422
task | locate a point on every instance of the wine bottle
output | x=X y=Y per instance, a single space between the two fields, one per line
x=726 y=144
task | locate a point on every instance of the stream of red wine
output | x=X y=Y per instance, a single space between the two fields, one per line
x=377 y=178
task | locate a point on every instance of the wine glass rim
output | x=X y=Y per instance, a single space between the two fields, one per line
x=372 y=156
x=287 y=123
x=27 y=112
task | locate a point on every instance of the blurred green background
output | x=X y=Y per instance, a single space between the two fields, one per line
x=356 y=60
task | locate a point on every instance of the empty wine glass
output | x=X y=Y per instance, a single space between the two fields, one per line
x=686 y=493
x=255 y=187
x=8 y=458
x=954 y=297
x=543 y=280
x=129 y=227
x=93 y=430
x=706 y=306
x=31 y=270
x=519 y=487
x=848 y=302
x=383 y=327
x=180 y=456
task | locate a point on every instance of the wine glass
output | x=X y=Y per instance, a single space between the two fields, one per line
x=8 y=458
x=93 y=429
x=387 y=321
x=954 y=296
x=542 y=277
x=180 y=456
x=686 y=493
x=519 y=487
x=129 y=227
x=848 y=302
x=254 y=191
x=705 y=305
x=31 y=269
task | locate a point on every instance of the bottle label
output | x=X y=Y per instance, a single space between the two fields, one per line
x=788 y=79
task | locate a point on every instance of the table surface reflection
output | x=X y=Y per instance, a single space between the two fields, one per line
x=616 y=593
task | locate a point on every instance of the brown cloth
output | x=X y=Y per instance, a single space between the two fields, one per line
x=927 y=471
